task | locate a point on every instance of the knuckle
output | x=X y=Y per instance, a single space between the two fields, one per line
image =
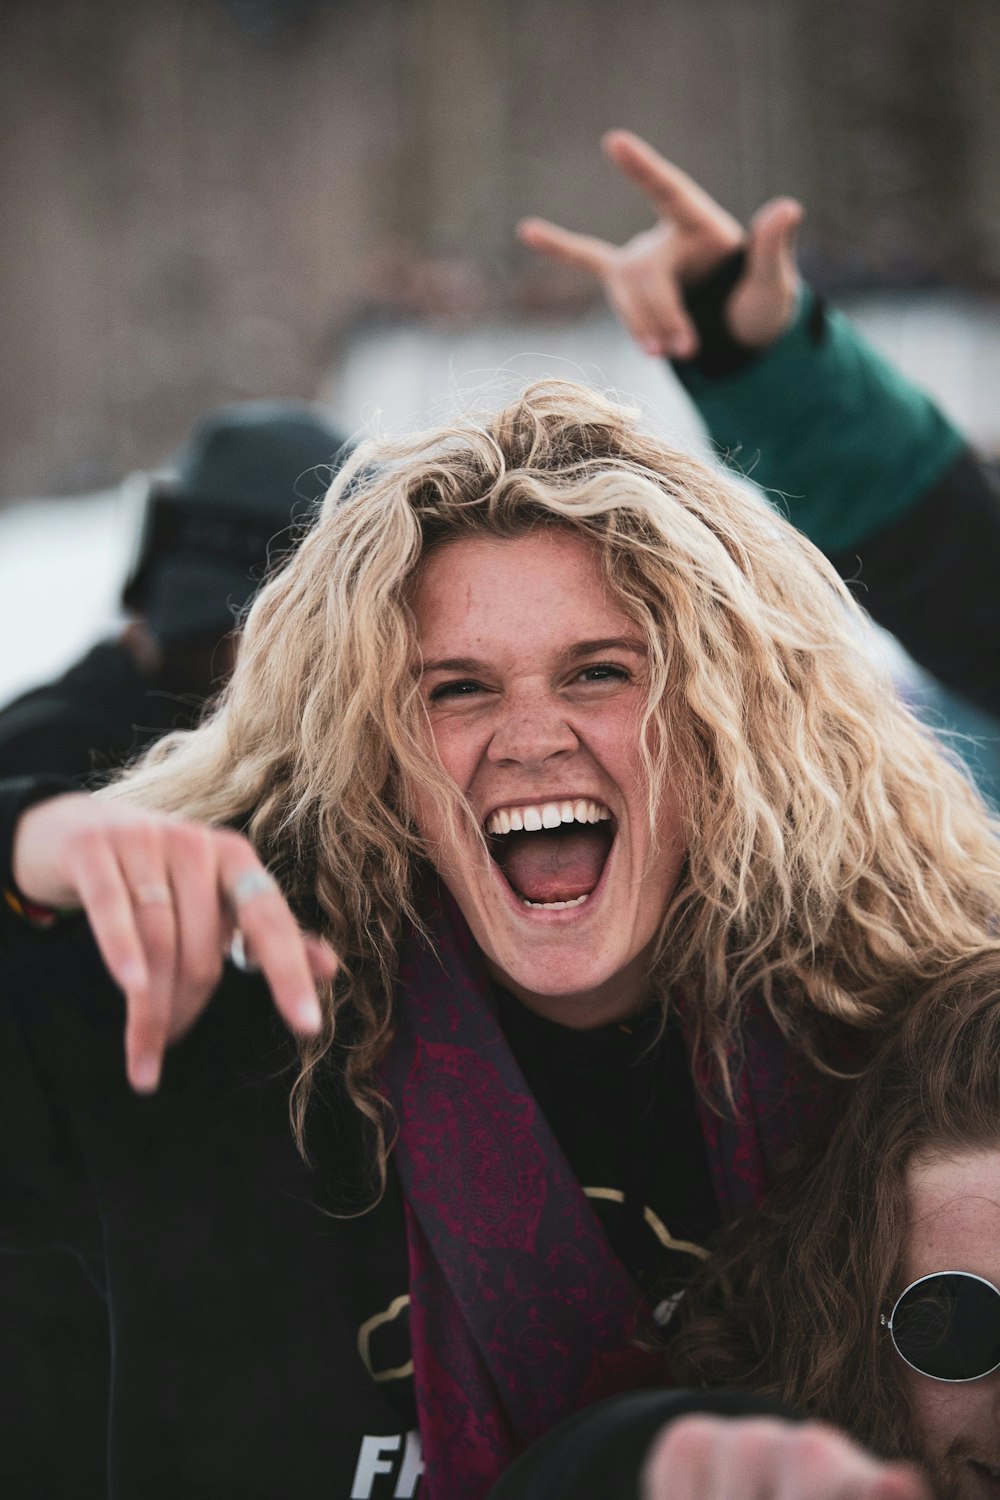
x=815 y=1443
x=230 y=843
x=86 y=843
x=140 y=843
x=185 y=839
x=688 y=1439
x=757 y=1444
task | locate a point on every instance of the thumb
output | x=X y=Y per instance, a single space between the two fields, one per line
x=763 y=304
x=771 y=242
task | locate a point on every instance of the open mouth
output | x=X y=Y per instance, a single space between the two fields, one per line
x=551 y=854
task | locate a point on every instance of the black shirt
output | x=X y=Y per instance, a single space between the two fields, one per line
x=621 y=1103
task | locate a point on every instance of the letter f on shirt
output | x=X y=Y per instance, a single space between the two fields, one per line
x=372 y=1463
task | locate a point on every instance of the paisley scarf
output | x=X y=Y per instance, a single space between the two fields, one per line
x=520 y=1313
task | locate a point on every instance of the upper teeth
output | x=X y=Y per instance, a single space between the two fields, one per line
x=545 y=815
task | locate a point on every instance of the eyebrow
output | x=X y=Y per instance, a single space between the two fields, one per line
x=575 y=652
x=609 y=643
x=453 y=664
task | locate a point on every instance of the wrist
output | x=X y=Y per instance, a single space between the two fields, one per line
x=39 y=917
x=720 y=352
x=17 y=796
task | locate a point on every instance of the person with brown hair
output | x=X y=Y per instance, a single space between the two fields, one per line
x=863 y=1293
x=578 y=841
x=866 y=1290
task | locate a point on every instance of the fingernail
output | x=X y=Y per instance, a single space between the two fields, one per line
x=652 y=346
x=145 y=1073
x=308 y=1015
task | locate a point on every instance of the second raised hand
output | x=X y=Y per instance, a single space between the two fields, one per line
x=644 y=278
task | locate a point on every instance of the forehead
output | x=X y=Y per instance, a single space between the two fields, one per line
x=955 y=1213
x=494 y=590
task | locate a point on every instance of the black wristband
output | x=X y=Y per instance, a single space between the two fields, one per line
x=719 y=352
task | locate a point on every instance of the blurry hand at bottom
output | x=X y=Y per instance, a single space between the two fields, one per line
x=708 y=1457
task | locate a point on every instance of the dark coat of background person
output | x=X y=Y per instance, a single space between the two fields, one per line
x=242 y=492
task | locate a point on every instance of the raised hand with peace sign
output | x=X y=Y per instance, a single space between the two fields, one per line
x=644 y=279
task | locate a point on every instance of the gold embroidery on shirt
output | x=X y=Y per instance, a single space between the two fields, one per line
x=401 y=1372
x=656 y=1224
x=666 y=1238
x=610 y=1195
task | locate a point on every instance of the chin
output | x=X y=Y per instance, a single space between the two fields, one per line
x=575 y=964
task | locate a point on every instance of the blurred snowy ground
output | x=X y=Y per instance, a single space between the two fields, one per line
x=62 y=561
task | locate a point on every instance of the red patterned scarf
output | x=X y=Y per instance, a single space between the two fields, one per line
x=520 y=1313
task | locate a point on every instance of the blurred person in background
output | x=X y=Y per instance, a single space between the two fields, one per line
x=248 y=477
x=244 y=488
x=856 y=456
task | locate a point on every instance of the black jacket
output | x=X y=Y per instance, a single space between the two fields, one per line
x=93 y=718
x=239 y=1290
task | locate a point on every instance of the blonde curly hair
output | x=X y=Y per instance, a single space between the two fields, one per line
x=834 y=851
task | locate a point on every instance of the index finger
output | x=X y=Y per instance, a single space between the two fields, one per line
x=675 y=195
x=279 y=945
x=584 y=250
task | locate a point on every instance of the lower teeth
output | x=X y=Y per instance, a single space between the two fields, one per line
x=556 y=905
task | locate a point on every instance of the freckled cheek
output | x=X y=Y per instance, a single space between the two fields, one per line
x=433 y=824
x=457 y=748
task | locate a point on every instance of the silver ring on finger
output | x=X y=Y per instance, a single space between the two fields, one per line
x=250 y=884
x=153 y=895
x=239 y=955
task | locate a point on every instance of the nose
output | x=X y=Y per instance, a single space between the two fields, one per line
x=532 y=728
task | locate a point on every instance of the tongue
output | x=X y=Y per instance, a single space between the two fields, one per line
x=555 y=866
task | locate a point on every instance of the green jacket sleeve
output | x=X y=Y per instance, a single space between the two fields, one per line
x=838 y=439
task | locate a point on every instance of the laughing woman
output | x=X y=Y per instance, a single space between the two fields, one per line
x=571 y=753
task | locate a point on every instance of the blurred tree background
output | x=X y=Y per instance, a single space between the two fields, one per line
x=204 y=199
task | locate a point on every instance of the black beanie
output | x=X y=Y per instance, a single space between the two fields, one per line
x=247 y=484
